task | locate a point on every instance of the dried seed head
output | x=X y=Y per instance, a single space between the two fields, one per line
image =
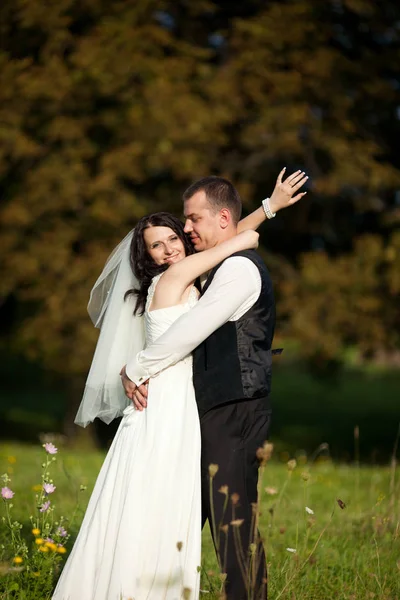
x=235 y=499
x=223 y=490
x=264 y=454
x=237 y=522
x=213 y=470
x=254 y=508
x=291 y=464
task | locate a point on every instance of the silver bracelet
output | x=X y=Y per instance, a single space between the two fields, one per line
x=267 y=209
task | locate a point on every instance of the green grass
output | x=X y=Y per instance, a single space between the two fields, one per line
x=350 y=554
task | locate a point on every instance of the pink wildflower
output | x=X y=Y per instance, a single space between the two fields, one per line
x=49 y=488
x=6 y=493
x=50 y=448
x=45 y=507
x=62 y=532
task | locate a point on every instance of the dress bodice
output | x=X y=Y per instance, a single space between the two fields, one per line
x=159 y=320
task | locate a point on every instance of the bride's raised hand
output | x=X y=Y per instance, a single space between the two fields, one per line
x=285 y=192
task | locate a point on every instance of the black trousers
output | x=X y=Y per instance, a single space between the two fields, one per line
x=230 y=437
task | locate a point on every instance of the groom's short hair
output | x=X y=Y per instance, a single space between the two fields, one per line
x=220 y=193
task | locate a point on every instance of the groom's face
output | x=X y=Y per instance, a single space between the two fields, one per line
x=201 y=222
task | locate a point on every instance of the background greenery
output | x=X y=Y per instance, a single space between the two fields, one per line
x=108 y=110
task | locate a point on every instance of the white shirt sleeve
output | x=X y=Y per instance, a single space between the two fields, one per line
x=235 y=288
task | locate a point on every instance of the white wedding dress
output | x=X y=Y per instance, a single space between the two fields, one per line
x=141 y=535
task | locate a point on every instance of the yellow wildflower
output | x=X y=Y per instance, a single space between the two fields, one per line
x=43 y=549
x=61 y=550
x=36 y=531
x=12 y=460
x=18 y=560
x=51 y=545
x=39 y=541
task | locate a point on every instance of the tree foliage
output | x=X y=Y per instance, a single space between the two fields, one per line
x=109 y=109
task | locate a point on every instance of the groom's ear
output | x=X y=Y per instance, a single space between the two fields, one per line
x=225 y=218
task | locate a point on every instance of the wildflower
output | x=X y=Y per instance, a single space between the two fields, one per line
x=309 y=511
x=61 y=549
x=223 y=490
x=293 y=550
x=50 y=448
x=48 y=539
x=305 y=475
x=52 y=546
x=271 y=491
x=12 y=460
x=48 y=488
x=291 y=464
x=45 y=507
x=18 y=560
x=43 y=549
x=36 y=531
x=39 y=541
x=6 y=493
x=62 y=532
x=213 y=470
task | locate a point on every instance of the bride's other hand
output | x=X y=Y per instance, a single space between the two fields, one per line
x=284 y=193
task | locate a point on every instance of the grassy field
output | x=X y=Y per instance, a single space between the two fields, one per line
x=350 y=553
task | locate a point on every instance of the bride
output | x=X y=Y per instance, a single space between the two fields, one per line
x=141 y=534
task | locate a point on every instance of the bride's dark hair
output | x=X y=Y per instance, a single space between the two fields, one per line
x=142 y=265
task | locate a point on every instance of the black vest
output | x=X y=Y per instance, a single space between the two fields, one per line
x=234 y=363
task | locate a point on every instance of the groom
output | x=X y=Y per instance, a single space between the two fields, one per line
x=230 y=332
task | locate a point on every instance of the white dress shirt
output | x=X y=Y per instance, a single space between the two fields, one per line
x=233 y=291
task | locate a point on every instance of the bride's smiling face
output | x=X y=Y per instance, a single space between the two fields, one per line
x=163 y=245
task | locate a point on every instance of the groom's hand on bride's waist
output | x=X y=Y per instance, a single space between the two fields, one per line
x=138 y=395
